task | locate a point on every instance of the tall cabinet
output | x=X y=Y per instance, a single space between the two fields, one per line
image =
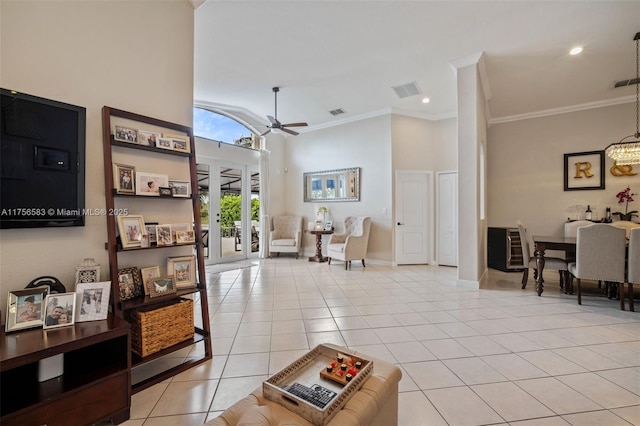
x=179 y=165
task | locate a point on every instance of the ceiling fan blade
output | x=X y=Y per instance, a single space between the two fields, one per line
x=291 y=132
x=268 y=130
x=273 y=120
x=295 y=125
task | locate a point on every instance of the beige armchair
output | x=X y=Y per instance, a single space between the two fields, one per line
x=352 y=244
x=285 y=235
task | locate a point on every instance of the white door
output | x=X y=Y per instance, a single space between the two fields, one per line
x=447 y=218
x=413 y=217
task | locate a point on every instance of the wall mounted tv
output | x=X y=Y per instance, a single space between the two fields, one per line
x=42 y=159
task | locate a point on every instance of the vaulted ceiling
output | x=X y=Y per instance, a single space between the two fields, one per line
x=326 y=55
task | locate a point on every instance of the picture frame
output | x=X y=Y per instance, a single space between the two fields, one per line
x=92 y=301
x=178 y=142
x=124 y=178
x=60 y=310
x=584 y=171
x=185 y=237
x=149 y=273
x=180 y=188
x=125 y=134
x=25 y=309
x=164 y=143
x=131 y=229
x=175 y=227
x=150 y=229
x=328 y=225
x=319 y=226
x=129 y=283
x=161 y=286
x=148 y=138
x=149 y=184
x=164 y=235
x=166 y=191
x=183 y=271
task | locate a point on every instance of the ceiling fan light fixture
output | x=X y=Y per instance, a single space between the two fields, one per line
x=627 y=153
x=575 y=51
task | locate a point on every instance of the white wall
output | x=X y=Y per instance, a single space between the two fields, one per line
x=525 y=167
x=365 y=144
x=131 y=55
x=420 y=144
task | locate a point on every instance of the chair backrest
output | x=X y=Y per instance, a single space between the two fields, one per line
x=633 y=264
x=357 y=225
x=600 y=252
x=286 y=226
x=627 y=225
x=524 y=242
x=571 y=228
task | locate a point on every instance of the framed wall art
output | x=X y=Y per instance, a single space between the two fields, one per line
x=178 y=142
x=148 y=273
x=60 y=310
x=148 y=138
x=25 y=309
x=164 y=235
x=92 y=300
x=126 y=134
x=584 y=171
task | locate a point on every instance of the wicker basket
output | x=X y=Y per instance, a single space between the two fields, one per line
x=154 y=329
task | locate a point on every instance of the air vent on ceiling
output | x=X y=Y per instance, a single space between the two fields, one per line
x=624 y=83
x=337 y=111
x=406 y=90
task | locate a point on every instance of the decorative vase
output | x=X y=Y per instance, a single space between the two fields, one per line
x=627 y=217
x=88 y=271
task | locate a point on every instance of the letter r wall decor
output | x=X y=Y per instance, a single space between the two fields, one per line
x=584 y=171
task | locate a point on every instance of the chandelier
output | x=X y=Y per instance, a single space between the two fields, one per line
x=625 y=152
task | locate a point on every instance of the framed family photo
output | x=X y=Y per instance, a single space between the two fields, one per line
x=92 y=300
x=185 y=237
x=164 y=143
x=180 y=188
x=148 y=138
x=178 y=142
x=60 y=309
x=123 y=177
x=148 y=184
x=126 y=134
x=164 y=235
x=584 y=171
x=131 y=230
x=129 y=283
x=25 y=309
x=150 y=229
x=183 y=270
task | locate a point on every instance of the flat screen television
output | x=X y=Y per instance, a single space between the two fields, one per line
x=42 y=160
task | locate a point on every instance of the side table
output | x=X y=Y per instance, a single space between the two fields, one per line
x=318 y=257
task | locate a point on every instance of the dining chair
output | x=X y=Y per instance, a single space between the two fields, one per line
x=529 y=261
x=633 y=263
x=600 y=255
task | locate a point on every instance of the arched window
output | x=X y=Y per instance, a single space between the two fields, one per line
x=218 y=127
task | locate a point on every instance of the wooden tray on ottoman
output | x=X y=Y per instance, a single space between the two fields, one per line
x=305 y=388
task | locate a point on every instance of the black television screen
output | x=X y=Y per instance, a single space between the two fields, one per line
x=42 y=157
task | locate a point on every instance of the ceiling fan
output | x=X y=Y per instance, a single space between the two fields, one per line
x=275 y=124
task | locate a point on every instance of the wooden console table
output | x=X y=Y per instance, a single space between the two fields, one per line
x=95 y=385
x=318 y=257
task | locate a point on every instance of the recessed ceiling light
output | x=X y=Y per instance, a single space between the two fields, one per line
x=426 y=100
x=575 y=51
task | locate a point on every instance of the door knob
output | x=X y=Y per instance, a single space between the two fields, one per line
x=399 y=224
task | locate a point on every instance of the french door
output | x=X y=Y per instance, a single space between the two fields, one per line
x=232 y=235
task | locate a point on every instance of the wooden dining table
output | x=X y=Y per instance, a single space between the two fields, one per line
x=550 y=242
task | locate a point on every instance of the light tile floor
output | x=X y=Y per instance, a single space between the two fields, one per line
x=495 y=356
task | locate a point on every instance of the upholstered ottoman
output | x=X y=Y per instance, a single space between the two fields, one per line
x=375 y=404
